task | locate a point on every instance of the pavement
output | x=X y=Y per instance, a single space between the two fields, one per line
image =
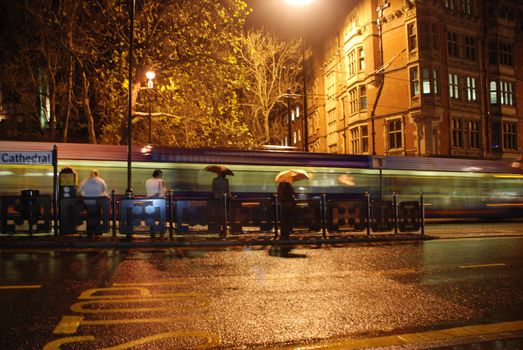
x=204 y=239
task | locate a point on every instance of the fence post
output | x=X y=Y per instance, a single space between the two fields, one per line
x=367 y=197
x=276 y=215
x=170 y=213
x=55 y=192
x=422 y=213
x=113 y=212
x=224 y=214
x=395 y=211
x=324 y=215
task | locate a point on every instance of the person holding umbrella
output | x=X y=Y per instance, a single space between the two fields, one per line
x=221 y=192
x=286 y=197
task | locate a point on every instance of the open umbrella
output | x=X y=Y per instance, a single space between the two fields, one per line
x=219 y=169
x=292 y=175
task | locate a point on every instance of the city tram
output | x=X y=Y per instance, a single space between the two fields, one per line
x=452 y=188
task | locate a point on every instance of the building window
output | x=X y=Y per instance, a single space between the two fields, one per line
x=426 y=82
x=361 y=59
x=364 y=139
x=510 y=135
x=351 y=63
x=473 y=133
x=471 y=93
x=424 y=35
x=359 y=139
x=435 y=37
x=457 y=132
x=363 y=97
x=492 y=53
x=493 y=92
x=506 y=93
x=395 y=134
x=453 y=86
x=465 y=133
x=412 y=36
x=353 y=101
x=354 y=140
x=469 y=44
x=505 y=54
x=450 y=4
x=453 y=44
x=435 y=80
x=414 y=82
x=466 y=7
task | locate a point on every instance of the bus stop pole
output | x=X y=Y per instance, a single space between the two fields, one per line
x=55 y=189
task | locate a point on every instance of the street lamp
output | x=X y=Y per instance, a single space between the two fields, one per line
x=303 y=4
x=150 y=84
x=129 y=190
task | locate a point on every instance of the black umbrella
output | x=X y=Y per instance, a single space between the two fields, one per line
x=219 y=169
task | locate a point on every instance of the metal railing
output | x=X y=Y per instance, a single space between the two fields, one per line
x=321 y=213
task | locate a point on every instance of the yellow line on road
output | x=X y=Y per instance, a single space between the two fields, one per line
x=28 y=286
x=70 y=324
x=138 y=284
x=414 y=338
x=478 y=266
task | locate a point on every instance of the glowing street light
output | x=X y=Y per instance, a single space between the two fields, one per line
x=303 y=4
x=150 y=75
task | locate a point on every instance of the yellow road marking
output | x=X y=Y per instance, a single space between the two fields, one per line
x=89 y=294
x=481 y=265
x=70 y=324
x=146 y=284
x=413 y=338
x=28 y=286
x=181 y=297
x=55 y=345
x=212 y=340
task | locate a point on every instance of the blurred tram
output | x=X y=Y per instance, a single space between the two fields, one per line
x=452 y=188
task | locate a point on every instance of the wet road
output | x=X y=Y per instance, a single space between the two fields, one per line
x=246 y=298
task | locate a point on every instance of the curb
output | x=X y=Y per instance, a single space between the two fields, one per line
x=134 y=244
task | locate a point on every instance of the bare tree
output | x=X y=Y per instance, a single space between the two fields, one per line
x=271 y=67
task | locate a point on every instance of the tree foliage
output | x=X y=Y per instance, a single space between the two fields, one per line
x=80 y=48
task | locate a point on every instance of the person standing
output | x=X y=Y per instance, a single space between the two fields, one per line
x=220 y=187
x=155 y=186
x=286 y=197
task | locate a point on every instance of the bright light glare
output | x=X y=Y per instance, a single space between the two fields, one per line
x=150 y=75
x=298 y=3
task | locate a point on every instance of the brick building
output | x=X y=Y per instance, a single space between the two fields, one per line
x=420 y=78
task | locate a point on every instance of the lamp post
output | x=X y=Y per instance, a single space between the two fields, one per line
x=303 y=4
x=129 y=190
x=150 y=84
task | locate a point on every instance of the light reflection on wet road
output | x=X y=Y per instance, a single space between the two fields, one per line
x=255 y=298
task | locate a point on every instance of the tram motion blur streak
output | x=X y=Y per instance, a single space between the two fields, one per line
x=453 y=188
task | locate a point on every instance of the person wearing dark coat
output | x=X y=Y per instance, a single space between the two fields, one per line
x=286 y=198
x=220 y=186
